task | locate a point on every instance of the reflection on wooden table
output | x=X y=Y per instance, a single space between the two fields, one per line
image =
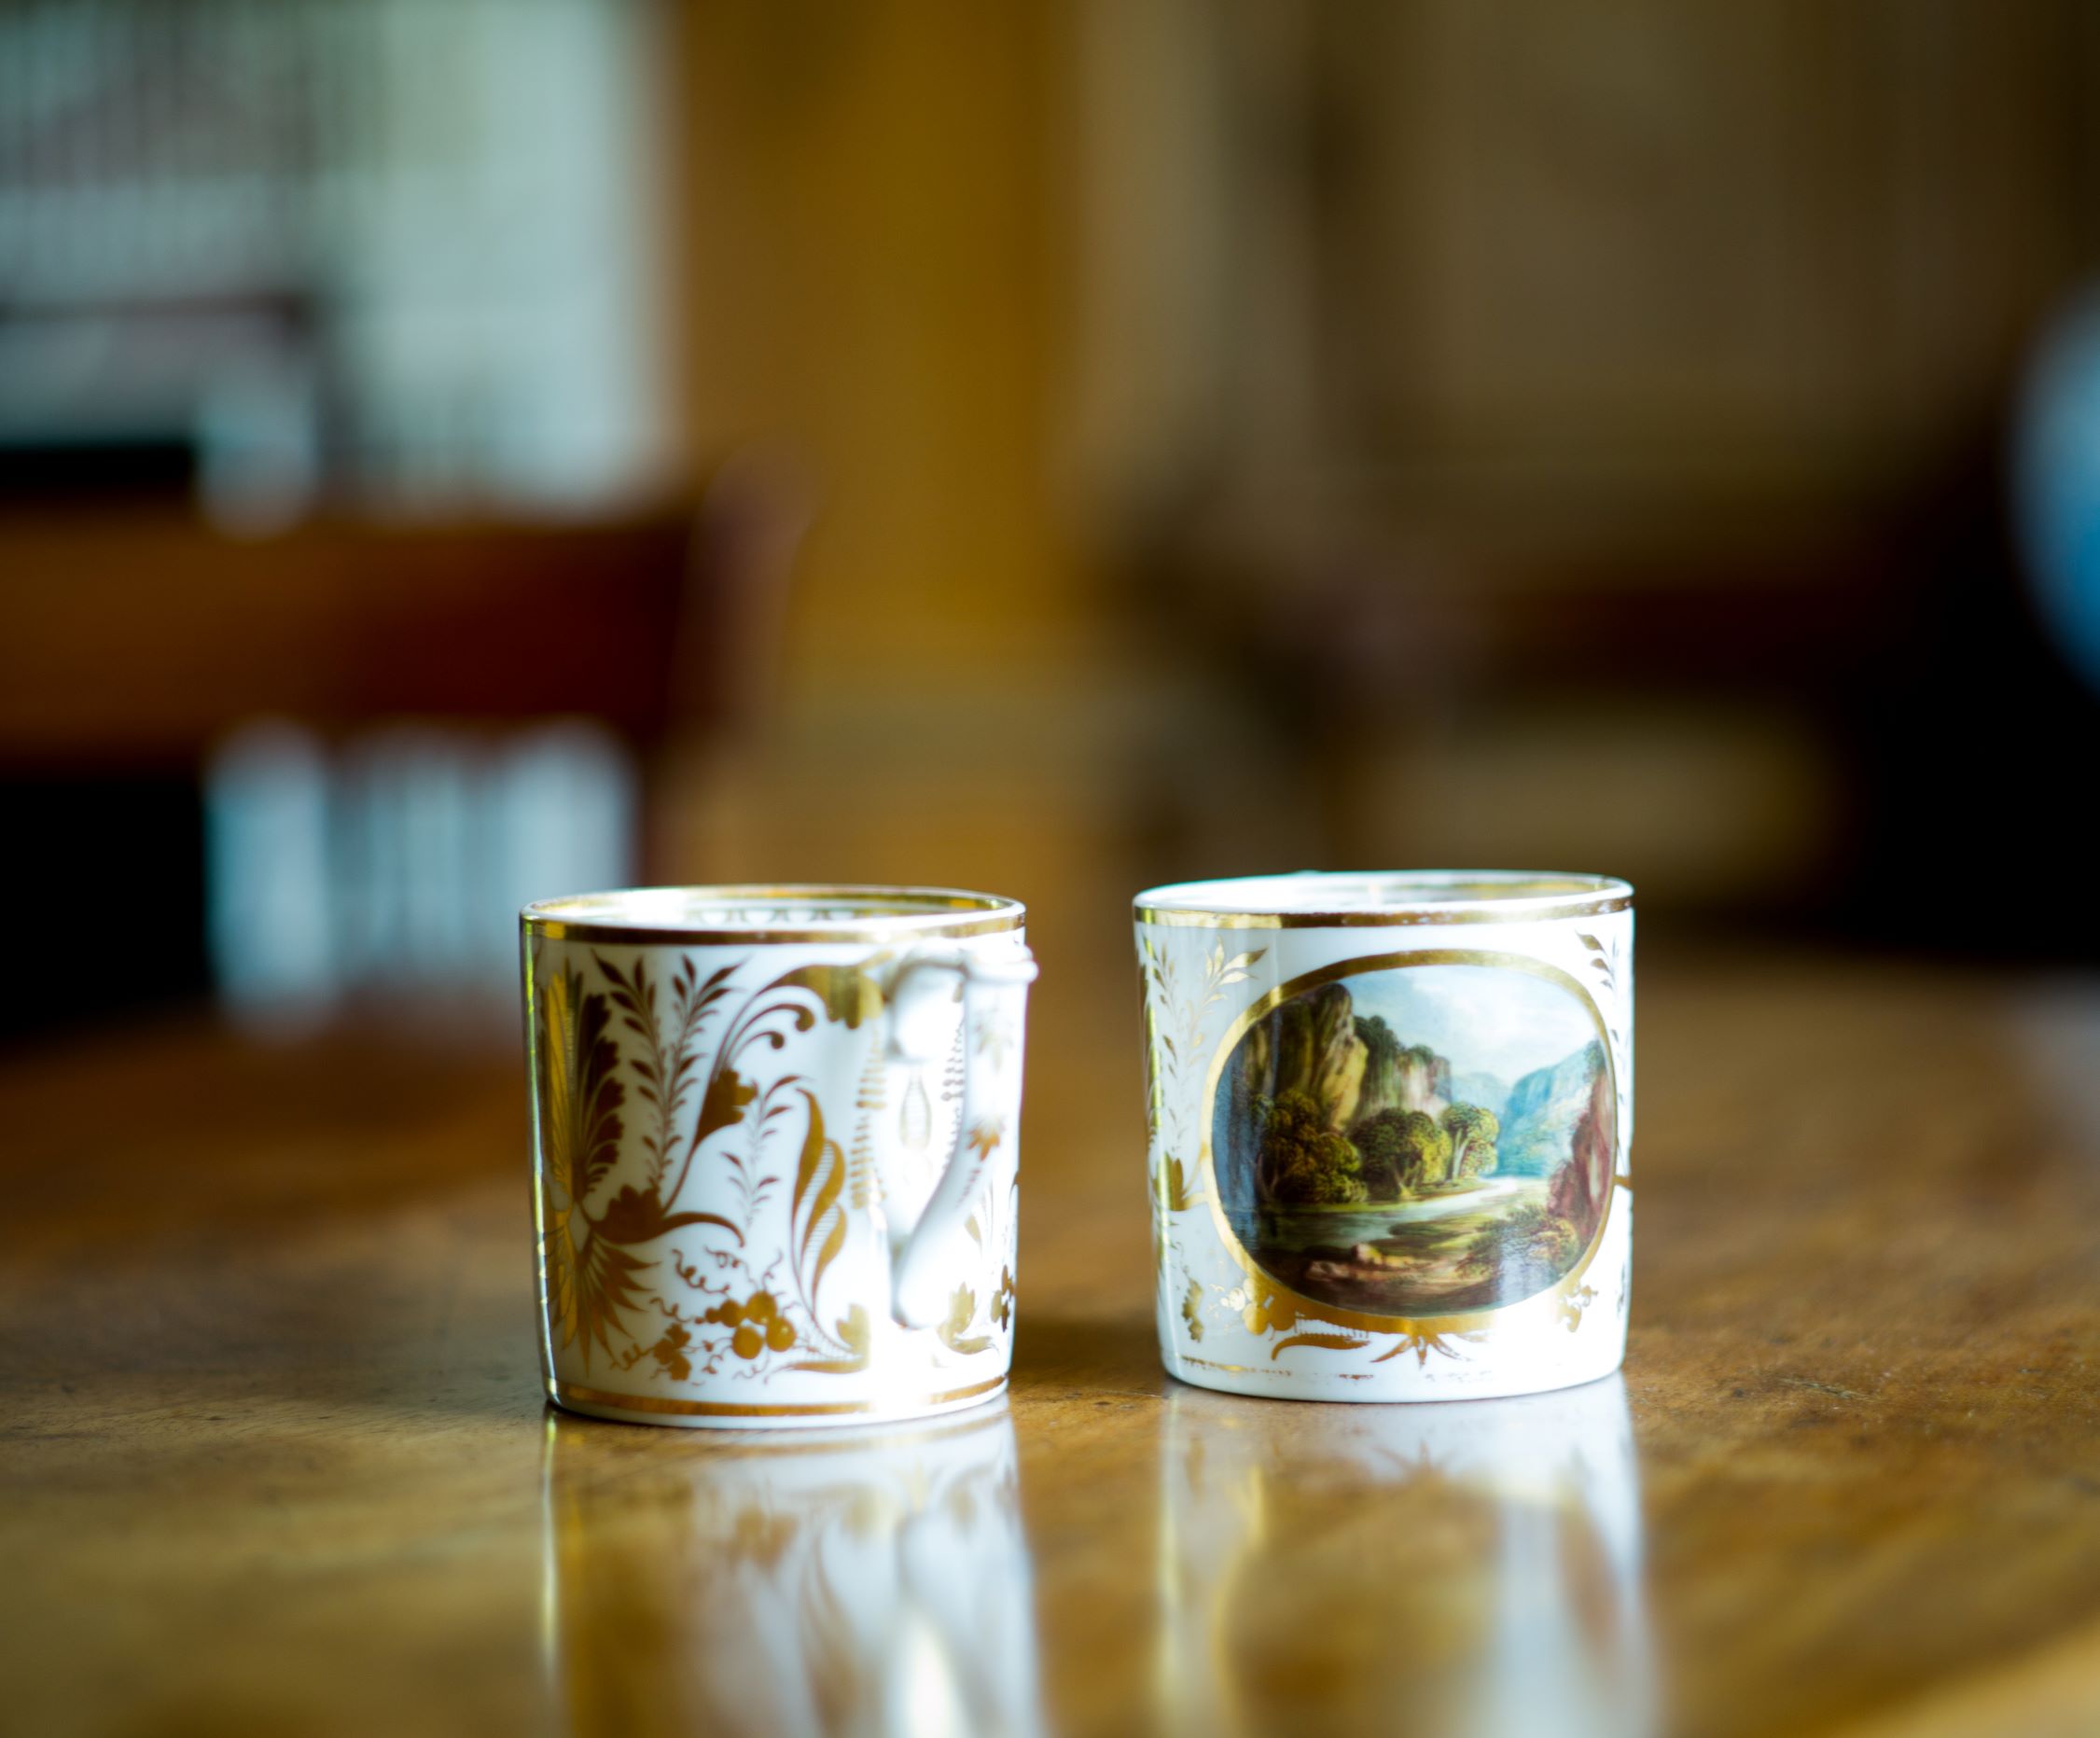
x=1472 y=1567
x=1475 y=1567
x=273 y=1460
x=864 y=1581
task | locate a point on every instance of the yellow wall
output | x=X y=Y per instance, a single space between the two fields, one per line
x=874 y=263
x=869 y=275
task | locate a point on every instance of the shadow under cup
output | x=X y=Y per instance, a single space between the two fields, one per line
x=775 y=1148
x=1389 y=1121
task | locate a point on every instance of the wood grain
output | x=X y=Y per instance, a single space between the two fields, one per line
x=143 y=638
x=273 y=1458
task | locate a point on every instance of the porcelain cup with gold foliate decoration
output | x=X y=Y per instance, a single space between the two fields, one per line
x=776 y=1146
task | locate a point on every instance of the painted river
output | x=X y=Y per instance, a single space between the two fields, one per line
x=1300 y=1227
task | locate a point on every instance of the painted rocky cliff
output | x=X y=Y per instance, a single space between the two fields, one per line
x=1309 y=1045
x=1351 y=1066
x=1540 y=1120
x=1579 y=1186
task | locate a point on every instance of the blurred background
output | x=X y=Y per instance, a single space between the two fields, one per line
x=456 y=451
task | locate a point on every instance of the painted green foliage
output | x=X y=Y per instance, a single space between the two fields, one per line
x=1405 y=1150
x=1472 y=1131
x=1435 y=1140
x=1300 y=1160
x=1387 y=1156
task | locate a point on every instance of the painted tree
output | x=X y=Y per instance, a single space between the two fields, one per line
x=1300 y=1160
x=1409 y=1144
x=1379 y=1040
x=1473 y=1129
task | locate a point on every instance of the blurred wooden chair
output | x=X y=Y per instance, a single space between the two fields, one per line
x=402 y=730
x=140 y=639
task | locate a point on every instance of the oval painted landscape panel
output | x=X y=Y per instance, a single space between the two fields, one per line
x=1418 y=1140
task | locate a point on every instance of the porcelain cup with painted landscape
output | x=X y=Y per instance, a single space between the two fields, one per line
x=1390 y=1118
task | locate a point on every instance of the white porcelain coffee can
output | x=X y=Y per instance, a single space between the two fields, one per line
x=1389 y=1121
x=775 y=1149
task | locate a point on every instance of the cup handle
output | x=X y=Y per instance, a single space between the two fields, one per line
x=923 y=982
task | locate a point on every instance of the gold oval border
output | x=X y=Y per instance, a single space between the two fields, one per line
x=1571 y=895
x=988 y=914
x=1364 y=1322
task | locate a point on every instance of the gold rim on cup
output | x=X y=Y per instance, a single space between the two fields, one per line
x=733 y=914
x=1382 y=898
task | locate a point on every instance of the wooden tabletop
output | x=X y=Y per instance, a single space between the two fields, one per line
x=274 y=1457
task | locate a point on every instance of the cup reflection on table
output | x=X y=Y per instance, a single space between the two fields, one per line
x=1465 y=1567
x=864 y=1582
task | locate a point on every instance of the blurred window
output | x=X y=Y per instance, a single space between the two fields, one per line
x=396 y=249
x=2057 y=483
x=399 y=862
